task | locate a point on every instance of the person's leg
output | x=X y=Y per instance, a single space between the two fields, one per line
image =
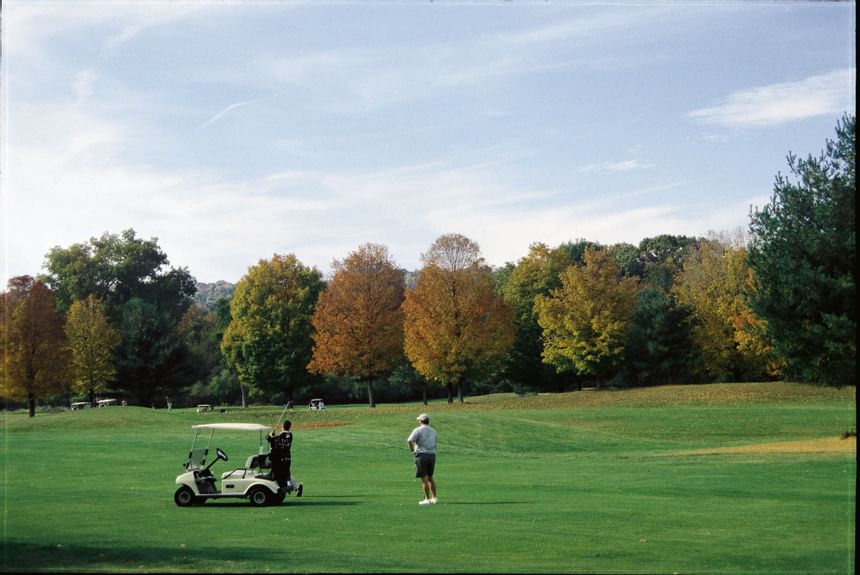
x=281 y=471
x=431 y=467
x=425 y=484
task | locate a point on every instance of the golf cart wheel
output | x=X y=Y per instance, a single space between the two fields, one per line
x=184 y=496
x=260 y=496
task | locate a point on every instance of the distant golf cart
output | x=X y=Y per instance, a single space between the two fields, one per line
x=78 y=405
x=254 y=481
x=316 y=404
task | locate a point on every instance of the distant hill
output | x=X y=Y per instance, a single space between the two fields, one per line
x=208 y=294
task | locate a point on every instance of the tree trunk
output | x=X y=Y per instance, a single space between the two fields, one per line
x=92 y=398
x=31 y=403
x=460 y=392
x=448 y=387
x=370 y=392
x=242 y=391
x=424 y=394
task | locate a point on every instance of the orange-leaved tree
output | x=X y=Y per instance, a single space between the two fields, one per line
x=455 y=321
x=358 y=320
x=35 y=353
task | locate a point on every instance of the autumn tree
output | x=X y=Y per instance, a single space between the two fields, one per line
x=268 y=341
x=35 y=352
x=804 y=255
x=713 y=284
x=358 y=320
x=92 y=341
x=455 y=323
x=585 y=321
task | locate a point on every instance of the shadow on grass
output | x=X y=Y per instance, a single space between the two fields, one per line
x=306 y=502
x=485 y=502
x=19 y=557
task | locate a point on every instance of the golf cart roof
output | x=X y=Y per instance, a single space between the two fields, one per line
x=233 y=426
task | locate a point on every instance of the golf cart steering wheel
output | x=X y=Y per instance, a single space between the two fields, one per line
x=221 y=454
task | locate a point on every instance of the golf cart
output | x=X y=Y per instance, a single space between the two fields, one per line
x=254 y=481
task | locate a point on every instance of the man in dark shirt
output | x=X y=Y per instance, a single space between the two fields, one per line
x=281 y=444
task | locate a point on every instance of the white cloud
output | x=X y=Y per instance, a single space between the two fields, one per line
x=83 y=84
x=76 y=185
x=608 y=167
x=228 y=109
x=823 y=95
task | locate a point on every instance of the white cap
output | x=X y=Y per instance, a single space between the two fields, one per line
x=423 y=417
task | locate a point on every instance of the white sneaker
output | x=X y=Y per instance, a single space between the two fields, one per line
x=433 y=500
x=424 y=502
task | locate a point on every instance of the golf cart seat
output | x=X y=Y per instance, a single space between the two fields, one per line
x=258 y=465
x=261 y=461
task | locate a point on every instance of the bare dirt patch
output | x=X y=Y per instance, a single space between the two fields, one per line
x=823 y=445
x=312 y=424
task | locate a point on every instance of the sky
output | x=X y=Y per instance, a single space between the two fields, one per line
x=233 y=131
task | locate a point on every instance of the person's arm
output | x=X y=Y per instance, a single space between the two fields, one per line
x=411 y=446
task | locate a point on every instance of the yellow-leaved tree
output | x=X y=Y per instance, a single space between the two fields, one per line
x=92 y=340
x=358 y=321
x=456 y=324
x=713 y=284
x=585 y=321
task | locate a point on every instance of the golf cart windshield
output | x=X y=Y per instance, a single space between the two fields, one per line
x=197 y=458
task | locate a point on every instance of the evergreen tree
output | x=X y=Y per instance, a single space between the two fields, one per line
x=803 y=254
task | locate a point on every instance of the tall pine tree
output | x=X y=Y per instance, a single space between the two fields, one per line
x=803 y=254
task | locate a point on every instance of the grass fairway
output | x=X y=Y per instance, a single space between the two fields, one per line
x=725 y=478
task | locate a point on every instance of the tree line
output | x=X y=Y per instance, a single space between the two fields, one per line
x=773 y=301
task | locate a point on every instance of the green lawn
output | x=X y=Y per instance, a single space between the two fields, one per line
x=590 y=481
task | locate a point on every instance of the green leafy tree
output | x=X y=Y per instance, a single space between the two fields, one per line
x=585 y=321
x=538 y=273
x=201 y=334
x=268 y=342
x=803 y=253
x=35 y=351
x=144 y=300
x=358 y=321
x=455 y=323
x=92 y=340
x=660 y=348
x=661 y=258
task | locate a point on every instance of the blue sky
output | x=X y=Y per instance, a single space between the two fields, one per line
x=232 y=131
